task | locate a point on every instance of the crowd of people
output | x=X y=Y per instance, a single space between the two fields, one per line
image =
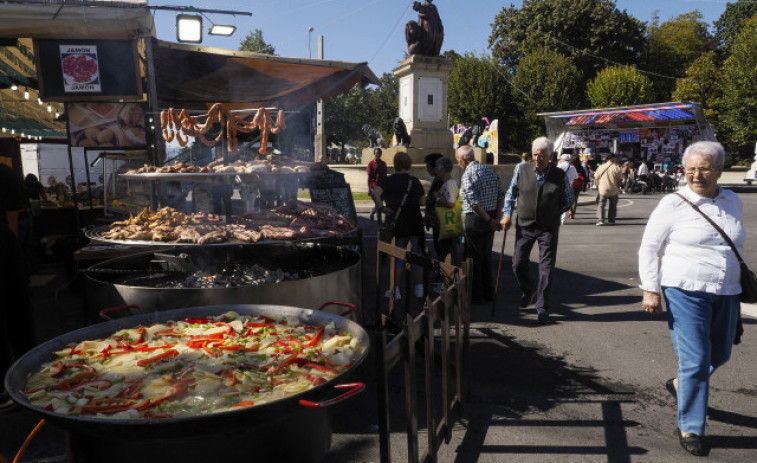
x=696 y=273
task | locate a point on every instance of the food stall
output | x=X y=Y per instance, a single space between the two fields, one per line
x=654 y=133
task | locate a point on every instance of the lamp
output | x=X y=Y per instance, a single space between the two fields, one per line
x=26 y=93
x=189 y=28
x=219 y=29
x=49 y=108
x=14 y=87
x=39 y=100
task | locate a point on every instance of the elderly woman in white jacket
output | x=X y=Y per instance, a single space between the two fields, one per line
x=683 y=258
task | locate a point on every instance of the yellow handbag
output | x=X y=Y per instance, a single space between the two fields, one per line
x=450 y=219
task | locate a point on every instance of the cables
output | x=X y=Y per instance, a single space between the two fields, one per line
x=394 y=29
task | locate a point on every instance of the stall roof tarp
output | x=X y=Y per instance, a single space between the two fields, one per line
x=192 y=77
x=650 y=115
x=106 y=19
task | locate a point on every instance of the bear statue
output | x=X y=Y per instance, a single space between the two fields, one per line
x=375 y=139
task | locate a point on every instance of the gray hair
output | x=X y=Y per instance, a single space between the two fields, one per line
x=543 y=144
x=444 y=164
x=710 y=149
x=466 y=153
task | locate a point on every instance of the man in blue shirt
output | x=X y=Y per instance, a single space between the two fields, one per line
x=483 y=200
x=543 y=193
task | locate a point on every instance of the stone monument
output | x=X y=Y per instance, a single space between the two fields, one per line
x=423 y=90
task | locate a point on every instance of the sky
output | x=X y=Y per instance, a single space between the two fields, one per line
x=373 y=31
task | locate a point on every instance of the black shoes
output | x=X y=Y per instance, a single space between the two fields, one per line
x=691 y=443
x=670 y=386
x=527 y=299
x=543 y=318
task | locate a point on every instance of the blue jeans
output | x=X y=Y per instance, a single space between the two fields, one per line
x=702 y=327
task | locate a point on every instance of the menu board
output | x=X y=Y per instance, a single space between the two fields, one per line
x=337 y=196
x=87 y=69
x=107 y=125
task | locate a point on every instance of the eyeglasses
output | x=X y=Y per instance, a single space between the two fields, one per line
x=701 y=170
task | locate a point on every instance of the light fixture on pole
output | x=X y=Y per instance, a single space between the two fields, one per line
x=310 y=31
x=189 y=28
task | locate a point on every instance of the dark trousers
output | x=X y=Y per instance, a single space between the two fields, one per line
x=479 y=239
x=16 y=322
x=525 y=237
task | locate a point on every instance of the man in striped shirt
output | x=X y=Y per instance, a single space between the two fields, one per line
x=483 y=200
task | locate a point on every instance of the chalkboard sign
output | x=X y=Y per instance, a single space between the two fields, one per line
x=328 y=178
x=337 y=196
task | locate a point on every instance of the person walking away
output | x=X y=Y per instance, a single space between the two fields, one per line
x=587 y=173
x=543 y=194
x=376 y=173
x=684 y=259
x=609 y=179
x=643 y=171
x=483 y=199
x=572 y=175
x=403 y=195
x=446 y=197
x=430 y=220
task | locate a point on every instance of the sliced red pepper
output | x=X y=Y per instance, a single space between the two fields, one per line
x=77 y=378
x=314 y=342
x=244 y=403
x=56 y=369
x=232 y=347
x=151 y=360
x=108 y=405
x=322 y=368
x=130 y=392
x=208 y=337
x=167 y=332
x=258 y=325
x=229 y=328
x=210 y=351
x=192 y=321
x=254 y=348
x=231 y=379
x=100 y=384
x=179 y=387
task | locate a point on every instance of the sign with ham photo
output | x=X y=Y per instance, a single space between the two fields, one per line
x=81 y=70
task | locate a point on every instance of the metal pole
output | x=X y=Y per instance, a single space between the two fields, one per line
x=320 y=137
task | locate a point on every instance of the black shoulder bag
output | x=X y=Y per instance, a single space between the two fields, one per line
x=387 y=231
x=748 y=278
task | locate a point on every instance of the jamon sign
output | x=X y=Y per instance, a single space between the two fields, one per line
x=81 y=71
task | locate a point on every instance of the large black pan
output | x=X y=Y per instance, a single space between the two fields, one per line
x=285 y=425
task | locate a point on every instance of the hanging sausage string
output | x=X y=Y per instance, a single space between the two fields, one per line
x=181 y=125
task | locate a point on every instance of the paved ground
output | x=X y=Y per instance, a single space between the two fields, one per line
x=586 y=388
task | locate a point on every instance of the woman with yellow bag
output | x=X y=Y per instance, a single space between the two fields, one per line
x=448 y=210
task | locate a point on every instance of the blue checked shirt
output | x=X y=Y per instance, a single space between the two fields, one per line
x=480 y=185
x=512 y=191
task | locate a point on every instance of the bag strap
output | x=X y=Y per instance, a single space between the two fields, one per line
x=404 y=198
x=712 y=222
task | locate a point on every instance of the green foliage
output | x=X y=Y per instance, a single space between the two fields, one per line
x=671 y=48
x=345 y=114
x=739 y=104
x=549 y=81
x=593 y=26
x=702 y=85
x=476 y=88
x=619 y=86
x=254 y=42
x=731 y=22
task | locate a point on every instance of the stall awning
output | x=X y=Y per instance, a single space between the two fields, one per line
x=625 y=115
x=189 y=76
x=628 y=117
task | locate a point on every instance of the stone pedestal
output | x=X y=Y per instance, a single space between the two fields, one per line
x=423 y=102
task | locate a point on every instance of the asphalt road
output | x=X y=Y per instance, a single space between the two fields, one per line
x=590 y=386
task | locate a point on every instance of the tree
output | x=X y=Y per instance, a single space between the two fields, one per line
x=671 y=48
x=739 y=103
x=545 y=81
x=577 y=28
x=254 y=42
x=476 y=88
x=731 y=22
x=702 y=85
x=619 y=86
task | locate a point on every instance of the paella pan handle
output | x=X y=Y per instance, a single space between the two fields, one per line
x=351 y=307
x=104 y=312
x=354 y=388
